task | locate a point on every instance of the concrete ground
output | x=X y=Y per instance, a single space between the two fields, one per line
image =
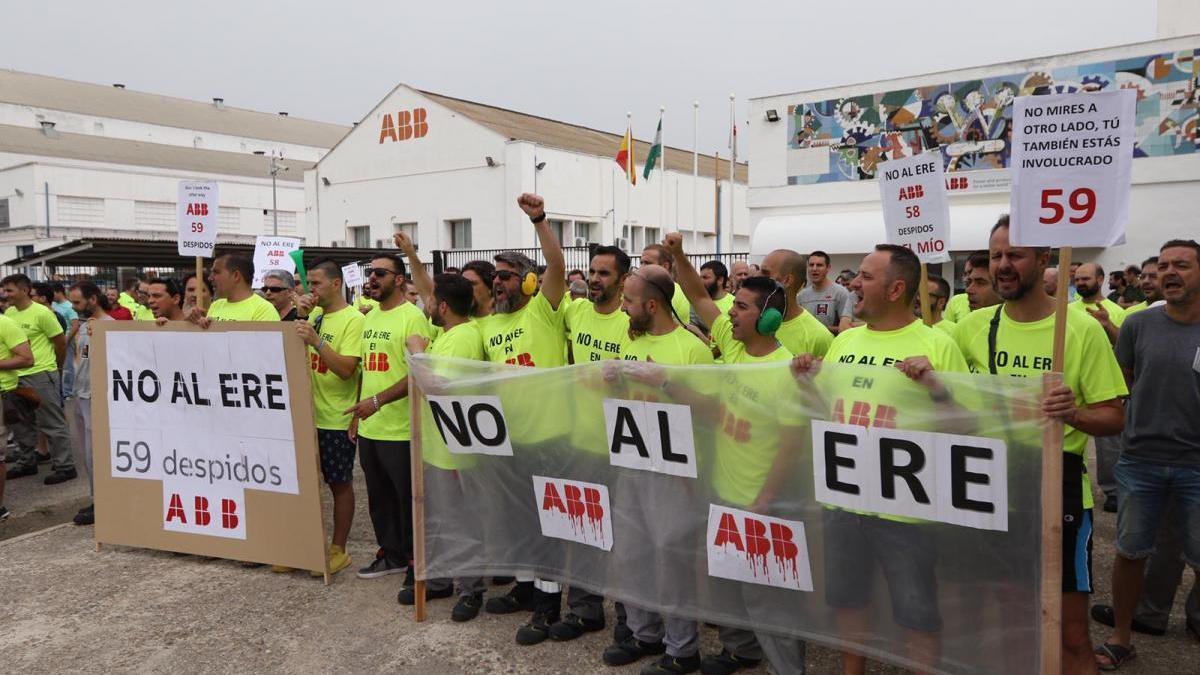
x=69 y=608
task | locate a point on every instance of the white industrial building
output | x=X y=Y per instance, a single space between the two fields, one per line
x=80 y=160
x=813 y=154
x=448 y=172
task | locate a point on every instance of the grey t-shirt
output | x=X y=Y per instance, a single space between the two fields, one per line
x=1164 y=403
x=828 y=305
x=82 y=360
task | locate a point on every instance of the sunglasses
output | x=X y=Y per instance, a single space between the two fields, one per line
x=505 y=275
x=274 y=289
x=377 y=272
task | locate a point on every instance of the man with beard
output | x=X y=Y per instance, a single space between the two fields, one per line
x=800 y=332
x=655 y=254
x=381 y=418
x=231 y=276
x=165 y=300
x=1016 y=339
x=1089 y=278
x=737 y=274
x=527 y=329
x=829 y=303
x=334 y=336
x=857 y=542
x=1148 y=282
x=716 y=278
x=91 y=305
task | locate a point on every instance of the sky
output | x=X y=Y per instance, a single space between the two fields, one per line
x=587 y=63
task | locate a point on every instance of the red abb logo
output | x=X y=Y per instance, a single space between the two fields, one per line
x=755 y=542
x=318 y=364
x=860 y=414
x=957 y=183
x=911 y=192
x=200 y=209
x=579 y=502
x=377 y=362
x=406 y=125
x=200 y=513
x=521 y=360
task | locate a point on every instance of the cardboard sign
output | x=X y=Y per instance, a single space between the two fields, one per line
x=574 y=510
x=471 y=425
x=961 y=480
x=758 y=549
x=352 y=275
x=650 y=436
x=1071 y=165
x=916 y=214
x=272 y=253
x=205 y=442
x=196 y=215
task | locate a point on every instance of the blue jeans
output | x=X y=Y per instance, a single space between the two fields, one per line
x=1144 y=491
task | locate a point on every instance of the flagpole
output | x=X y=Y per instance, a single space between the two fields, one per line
x=662 y=175
x=732 y=169
x=632 y=168
x=695 y=169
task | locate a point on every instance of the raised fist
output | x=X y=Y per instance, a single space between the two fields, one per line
x=533 y=205
x=403 y=242
x=674 y=243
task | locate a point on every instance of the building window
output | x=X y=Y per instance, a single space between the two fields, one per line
x=229 y=219
x=24 y=250
x=287 y=222
x=4 y=213
x=410 y=230
x=154 y=215
x=460 y=233
x=81 y=211
x=589 y=232
x=562 y=230
x=360 y=237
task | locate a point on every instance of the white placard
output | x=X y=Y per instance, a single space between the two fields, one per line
x=916 y=214
x=471 y=425
x=196 y=215
x=960 y=480
x=1071 y=168
x=217 y=511
x=210 y=410
x=758 y=549
x=574 y=510
x=271 y=253
x=352 y=275
x=650 y=436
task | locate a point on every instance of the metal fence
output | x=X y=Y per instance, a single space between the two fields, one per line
x=577 y=257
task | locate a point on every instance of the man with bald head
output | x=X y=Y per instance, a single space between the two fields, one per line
x=1089 y=279
x=738 y=274
x=1050 y=279
x=656 y=254
x=801 y=332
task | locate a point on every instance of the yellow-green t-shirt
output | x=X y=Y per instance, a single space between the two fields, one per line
x=946 y=325
x=366 y=303
x=332 y=396
x=40 y=325
x=460 y=342
x=724 y=304
x=253 y=308
x=595 y=336
x=680 y=347
x=1025 y=349
x=804 y=335
x=384 y=363
x=680 y=304
x=1145 y=304
x=11 y=336
x=957 y=308
x=1116 y=313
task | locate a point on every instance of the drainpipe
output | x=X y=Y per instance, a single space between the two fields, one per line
x=47 y=186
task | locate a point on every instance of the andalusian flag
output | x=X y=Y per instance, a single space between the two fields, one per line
x=625 y=157
x=655 y=151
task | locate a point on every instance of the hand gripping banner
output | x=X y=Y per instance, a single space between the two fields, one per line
x=850 y=507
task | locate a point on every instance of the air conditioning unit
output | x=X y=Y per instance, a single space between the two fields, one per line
x=621 y=243
x=378 y=243
x=580 y=241
x=337 y=244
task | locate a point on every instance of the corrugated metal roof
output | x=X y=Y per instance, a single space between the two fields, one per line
x=43 y=91
x=521 y=126
x=23 y=140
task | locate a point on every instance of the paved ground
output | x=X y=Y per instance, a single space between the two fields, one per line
x=69 y=608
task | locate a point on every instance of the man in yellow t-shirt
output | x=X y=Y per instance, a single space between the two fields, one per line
x=1089 y=279
x=15 y=354
x=381 y=419
x=49 y=345
x=1148 y=282
x=1088 y=403
x=231 y=276
x=334 y=338
x=800 y=332
x=885 y=289
x=939 y=293
x=655 y=254
x=135 y=286
x=715 y=276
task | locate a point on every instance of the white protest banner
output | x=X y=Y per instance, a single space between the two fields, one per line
x=650 y=436
x=352 y=275
x=204 y=442
x=916 y=214
x=271 y=253
x=574 y=510
x=196 y=215
x=746 y=546
x=1071 y=164
x=471 y=425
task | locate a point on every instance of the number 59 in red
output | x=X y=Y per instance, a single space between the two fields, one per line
x=1082 y=201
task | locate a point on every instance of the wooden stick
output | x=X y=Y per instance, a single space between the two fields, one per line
x=926 y=310
x=200 y=287
x=418 y=497
x=1052 y=478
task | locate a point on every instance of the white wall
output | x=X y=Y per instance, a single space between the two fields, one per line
x=1178 y=17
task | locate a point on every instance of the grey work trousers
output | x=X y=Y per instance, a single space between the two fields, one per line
x=49 y=420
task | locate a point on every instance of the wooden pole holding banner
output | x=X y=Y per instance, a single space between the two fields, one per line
x=926 y=309
x=418 y=497
x=200 y=286
x=1052 y=478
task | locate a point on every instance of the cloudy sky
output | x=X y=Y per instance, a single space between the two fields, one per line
x=581 y=62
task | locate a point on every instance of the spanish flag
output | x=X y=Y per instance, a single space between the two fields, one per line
x=625 y=157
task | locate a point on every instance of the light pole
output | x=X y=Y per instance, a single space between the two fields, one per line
x=537 y=166
x=276 y=167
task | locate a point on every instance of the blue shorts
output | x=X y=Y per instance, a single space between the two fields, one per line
x=1144 y=490
x=337 y=456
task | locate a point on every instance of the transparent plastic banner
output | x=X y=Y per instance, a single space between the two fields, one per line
x=850 y=507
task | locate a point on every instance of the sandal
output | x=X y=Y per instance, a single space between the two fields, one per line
x=1117 y=656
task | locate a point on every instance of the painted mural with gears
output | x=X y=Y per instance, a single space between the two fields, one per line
x=971 y=121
